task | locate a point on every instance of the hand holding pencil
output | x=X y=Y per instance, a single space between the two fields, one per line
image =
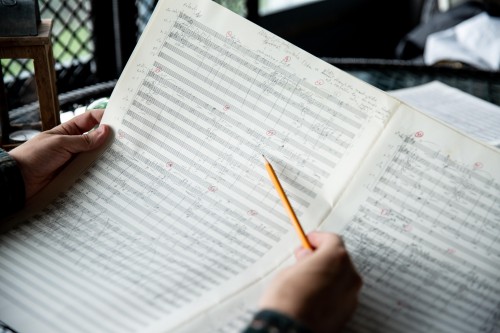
x=321 y=289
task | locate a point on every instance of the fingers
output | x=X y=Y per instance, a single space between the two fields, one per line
x=85 y=142
x=321 y=289
x=323 y=239
x=96 y=138
x=323 y=243
x=76 y=135
x=79 y=124
x=302 y=253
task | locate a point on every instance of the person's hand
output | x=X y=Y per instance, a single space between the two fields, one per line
x=43 y=156
x=321 y=289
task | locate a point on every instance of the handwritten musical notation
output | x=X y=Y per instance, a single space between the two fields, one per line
x=177 y=205
x=423 y=241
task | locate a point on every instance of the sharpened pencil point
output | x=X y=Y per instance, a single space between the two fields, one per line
x=264 y=159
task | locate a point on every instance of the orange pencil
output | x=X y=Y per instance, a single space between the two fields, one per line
x=287 y=205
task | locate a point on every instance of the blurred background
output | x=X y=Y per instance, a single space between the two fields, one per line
x=92 y=40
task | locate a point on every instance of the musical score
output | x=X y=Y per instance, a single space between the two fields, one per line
x=177 y=214
x=423 y=240
x=179 y=204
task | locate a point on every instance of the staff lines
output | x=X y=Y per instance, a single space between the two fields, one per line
x=259 y=98
x=249 y=54
x=197 y=179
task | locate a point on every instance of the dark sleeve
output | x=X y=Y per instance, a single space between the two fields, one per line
x=268 y=321
x=12 y=191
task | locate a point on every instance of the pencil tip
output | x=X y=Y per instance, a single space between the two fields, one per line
x=264 y=159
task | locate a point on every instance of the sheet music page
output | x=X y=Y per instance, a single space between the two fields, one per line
x=474 y=116
x=422 y=222
x=234 y=313
x=178 y=212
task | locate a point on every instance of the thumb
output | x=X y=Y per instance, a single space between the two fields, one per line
x=87 y=141
x=302 y=253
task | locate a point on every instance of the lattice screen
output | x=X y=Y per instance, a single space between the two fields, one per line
x=73 y=48
x=72 y=37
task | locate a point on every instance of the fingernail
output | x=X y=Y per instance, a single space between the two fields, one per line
x=99 y=130
x=302 y=253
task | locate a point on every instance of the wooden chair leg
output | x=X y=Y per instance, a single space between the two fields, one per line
x=46 y=86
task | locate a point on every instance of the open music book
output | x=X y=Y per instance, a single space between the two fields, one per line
x=175 y=226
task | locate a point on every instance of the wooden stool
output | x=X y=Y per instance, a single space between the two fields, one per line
x=38 y=48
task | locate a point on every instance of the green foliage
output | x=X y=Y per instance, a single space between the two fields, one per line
x=237 y=6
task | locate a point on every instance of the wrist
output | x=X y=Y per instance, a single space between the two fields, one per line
x=12 y=196
x=270 y=320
